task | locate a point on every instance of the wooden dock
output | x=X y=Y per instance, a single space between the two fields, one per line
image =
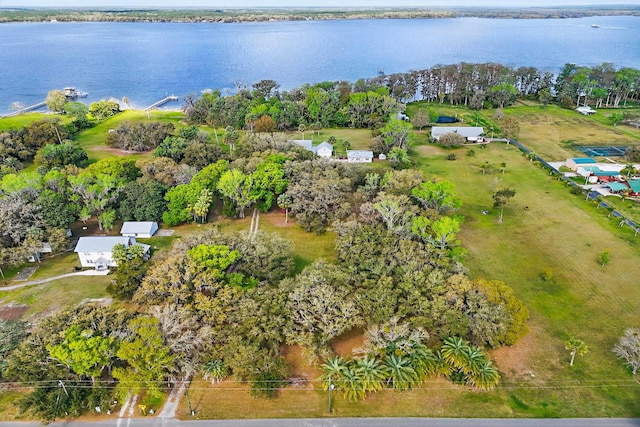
x=25 y=109
x=161 y=102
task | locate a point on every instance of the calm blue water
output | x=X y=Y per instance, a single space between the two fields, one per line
x=146 y=62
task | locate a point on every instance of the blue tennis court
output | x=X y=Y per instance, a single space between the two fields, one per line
x=601 y=151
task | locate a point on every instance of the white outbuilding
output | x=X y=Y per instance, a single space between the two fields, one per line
x=142 y=229
x=471 y=133
x=359 y=156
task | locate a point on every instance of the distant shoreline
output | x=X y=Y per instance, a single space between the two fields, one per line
x=8 y=15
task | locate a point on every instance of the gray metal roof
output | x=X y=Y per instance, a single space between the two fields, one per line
x=138 y=227
x=102 y=243
x=360 y=154
x=324 y=144
x=466 y=131
x=304 y=143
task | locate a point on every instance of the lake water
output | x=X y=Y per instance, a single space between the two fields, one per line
x=146 y=62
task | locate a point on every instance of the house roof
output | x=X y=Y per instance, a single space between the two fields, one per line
x=583 y=160
x=304 y=143
x=617 y=186
x=102 y=243
x=324 y=144
x=359 y=154
x=635 y=185
x=138 y=227
x=466 y=131
x=600 y=172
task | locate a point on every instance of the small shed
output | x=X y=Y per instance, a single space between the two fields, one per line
x=359 y=156
x=575 y=162
x=143 y=229
x=586 y=110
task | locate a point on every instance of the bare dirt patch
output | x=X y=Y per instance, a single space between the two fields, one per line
x=345 y=344
x=277 y=218
x=299 y=365
x=13 y=311
x=516 y=359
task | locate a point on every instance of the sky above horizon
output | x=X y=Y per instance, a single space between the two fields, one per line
x=312 y=3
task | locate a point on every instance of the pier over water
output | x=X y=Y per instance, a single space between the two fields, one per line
x=161 y=102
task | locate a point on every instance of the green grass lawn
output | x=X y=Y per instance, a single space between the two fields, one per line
x=92 y=140
x=50 y=297
x=308 y=247
x=22 y=120
x=547 y=227
x=360 y=139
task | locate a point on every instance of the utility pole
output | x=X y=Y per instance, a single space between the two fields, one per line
x=330 y=389
x=186 y=393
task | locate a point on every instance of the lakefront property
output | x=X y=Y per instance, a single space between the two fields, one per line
x=464 y=276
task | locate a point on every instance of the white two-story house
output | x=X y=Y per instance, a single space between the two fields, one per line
x=97 y=251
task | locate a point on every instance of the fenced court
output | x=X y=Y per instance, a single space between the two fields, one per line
x=601 y=151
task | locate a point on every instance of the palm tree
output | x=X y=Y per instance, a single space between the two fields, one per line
x=215 y=370
x=454 y=351
x=629 y=169
x=475 y=360
x=576 y=347
x=352 y=384
x=332 y=371
x=485 y=377
x=372 y=373
x=423 y=360
x=401 y=376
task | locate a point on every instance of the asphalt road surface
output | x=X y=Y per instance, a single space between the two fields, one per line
x=350 y=422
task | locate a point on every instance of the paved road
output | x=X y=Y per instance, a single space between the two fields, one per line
x=352 y=422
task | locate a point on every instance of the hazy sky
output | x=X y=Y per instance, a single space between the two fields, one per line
x=309 y=3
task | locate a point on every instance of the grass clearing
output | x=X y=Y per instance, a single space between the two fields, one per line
x=92 y=140
x=50 y=297
x=307 y=247
x=551 y=132
x=547 y=227
x=22 y=120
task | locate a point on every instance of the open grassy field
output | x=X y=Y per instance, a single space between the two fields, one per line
x=547 y=227
x=22 y=120
x=551 y=132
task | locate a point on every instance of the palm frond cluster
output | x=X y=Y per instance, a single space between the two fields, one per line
x=404 y=369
